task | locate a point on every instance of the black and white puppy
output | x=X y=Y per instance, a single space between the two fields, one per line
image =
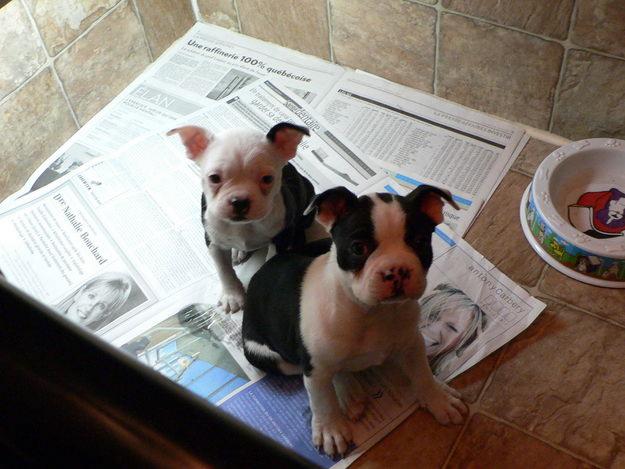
x=351 y=308
x=251 y=195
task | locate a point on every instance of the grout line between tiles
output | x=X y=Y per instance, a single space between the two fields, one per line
x=90 y=27
x=437 y=46
x=144 y=34
x=561 y=302
x=330 y=30
x=463 y=430
x=491 y=376
x=236 y=10
x=567 y=44
x=553 y=445
x=49 y=63
x=196 y=10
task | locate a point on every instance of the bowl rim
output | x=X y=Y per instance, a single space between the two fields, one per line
x=612 y=248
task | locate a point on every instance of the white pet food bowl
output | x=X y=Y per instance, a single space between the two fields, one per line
x=573 y=211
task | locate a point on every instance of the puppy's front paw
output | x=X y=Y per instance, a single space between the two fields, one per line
x=239 y=257
x=333 y=434
x=232 y=300
x=444 y=404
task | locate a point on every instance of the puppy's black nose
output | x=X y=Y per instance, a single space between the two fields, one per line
x=240 y=206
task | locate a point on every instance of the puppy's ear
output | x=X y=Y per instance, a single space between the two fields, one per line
x=286 y=137
x=429 y=200
x=331 y=205
x=196 y=139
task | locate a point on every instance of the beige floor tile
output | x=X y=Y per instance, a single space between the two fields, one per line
x=563 y=379
x=419 y=441
x=532 y=155
x=606 y=302
x=581 y=111
x=62 y=22
x=35 y=121
x=497 y=233
x=219 y=12
x=100 y=65
x=488 y=443
x=21 y=54
x=492 y=80
x=599 y=25
x=395 y=40
x=280 y=21
x=549 y=18
x=471 y=382
x=164 y=22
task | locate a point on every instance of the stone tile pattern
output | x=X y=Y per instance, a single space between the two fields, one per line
x=21 y=53
x=61 y=22
x=219 y=12
x=534 y=152
x=419 y=441
x=562 y=380
x=497 y=233
x=35 y=121
x=404 y=53
x=606 y=302
x=600 y=25
x=164 y=21
x=513 y=75
x=536 y=16
x=591 y=101
x=298 y=24
x=96 y=68
x=488 y=443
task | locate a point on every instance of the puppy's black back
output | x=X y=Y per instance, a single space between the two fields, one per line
x=272 y=312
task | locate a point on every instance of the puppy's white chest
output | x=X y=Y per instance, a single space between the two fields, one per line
x=246 y=236
x=366 y=360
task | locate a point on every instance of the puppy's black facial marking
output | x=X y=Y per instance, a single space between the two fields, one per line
x=354 y=237
x=419 y=229
x=385 y=197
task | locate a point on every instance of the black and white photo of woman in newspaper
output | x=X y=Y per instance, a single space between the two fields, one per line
x=450 y=323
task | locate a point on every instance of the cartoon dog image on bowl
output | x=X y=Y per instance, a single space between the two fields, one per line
x=599 y=214
x=587 y=264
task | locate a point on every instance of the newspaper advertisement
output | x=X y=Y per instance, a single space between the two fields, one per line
x=205 y=65
x=420 y=138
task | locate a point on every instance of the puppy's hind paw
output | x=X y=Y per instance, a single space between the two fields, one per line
x=333 y=435
x=444 y=405
x=232 y=301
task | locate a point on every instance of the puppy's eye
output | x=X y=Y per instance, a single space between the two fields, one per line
x=214 y=178
x=267 y=179
x=359 y=248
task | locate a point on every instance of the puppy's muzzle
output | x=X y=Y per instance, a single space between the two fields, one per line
x=240 y=208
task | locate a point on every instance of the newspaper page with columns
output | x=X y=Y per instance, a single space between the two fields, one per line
x=422 y=139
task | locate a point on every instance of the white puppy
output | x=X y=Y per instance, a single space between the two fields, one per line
x=251 y=195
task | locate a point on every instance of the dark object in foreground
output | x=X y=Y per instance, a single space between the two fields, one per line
x=69 y=398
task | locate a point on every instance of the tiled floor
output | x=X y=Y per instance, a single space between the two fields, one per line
x=554 y=396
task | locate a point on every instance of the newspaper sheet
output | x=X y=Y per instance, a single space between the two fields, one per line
x=117 y=246
x=420 y=138
x=206 y=64
x=136 y=215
